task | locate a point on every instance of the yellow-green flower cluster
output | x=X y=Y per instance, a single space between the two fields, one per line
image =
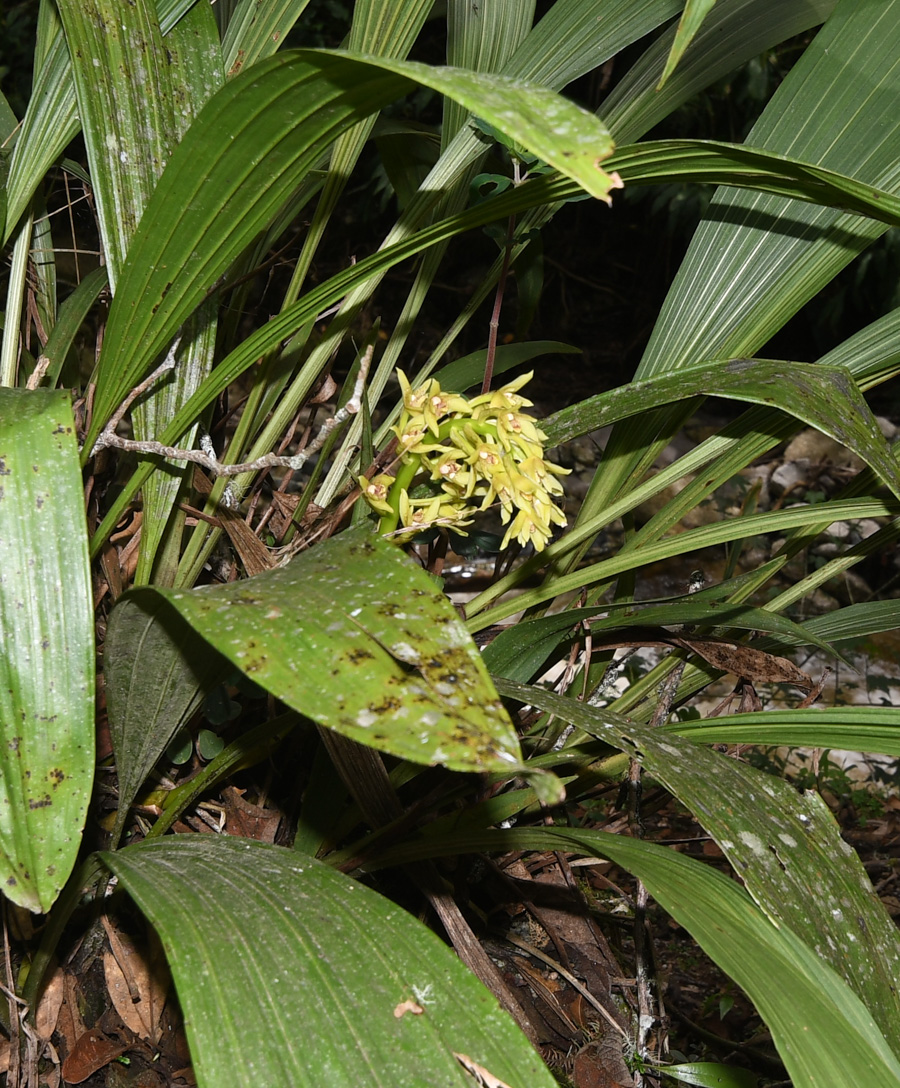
x=474 y=453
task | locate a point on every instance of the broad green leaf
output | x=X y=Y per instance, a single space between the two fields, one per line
x=345 y=989
x=823 y=1031
x=356 y=636
x=824 y=397
x=785 y=846
x=47 y=667
x=213 y=198
x=157 y=674
x=695 y=11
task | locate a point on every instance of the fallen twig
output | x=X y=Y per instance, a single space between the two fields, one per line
x=207 y=460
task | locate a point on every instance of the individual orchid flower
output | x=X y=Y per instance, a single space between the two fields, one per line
x=417 y=515
x=456 y=477
x=505 y=398
x=430 y=404
x=487 y=459
x=526 y=530
x=375 y=492
x=544 y=473
x=413 y=400
x=519 y=429
x=413 y=438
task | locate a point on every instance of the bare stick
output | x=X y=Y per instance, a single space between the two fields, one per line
x=208 y=460
x=109 y=431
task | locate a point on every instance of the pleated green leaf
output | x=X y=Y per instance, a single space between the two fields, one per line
x=482 y=37
x=49 y=124
x=785 y=846
x=213 y=197
x=570 y=40
x=732 y=33
x=356 y=636
x=855 y=621
x=748 y=525
x=742 y=279
x=136 y=96
x=747 y=167
x=290 y=973
x=258 y=30
x=124 y=96
x=51 y=120
x=47 y=664
x=522 y=647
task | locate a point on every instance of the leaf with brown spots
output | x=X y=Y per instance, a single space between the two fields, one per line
x=357 y=637
x=47 y=663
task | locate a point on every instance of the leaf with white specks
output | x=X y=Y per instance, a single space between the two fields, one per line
x=359 y=638
x=785 y=846
x=47 y=664
x=307 y=978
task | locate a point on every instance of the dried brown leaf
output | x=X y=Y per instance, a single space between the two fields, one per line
x=46 y=1016
x=137 y=988
x=91 y=1052
x=747 y=662
x=69 y=1023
